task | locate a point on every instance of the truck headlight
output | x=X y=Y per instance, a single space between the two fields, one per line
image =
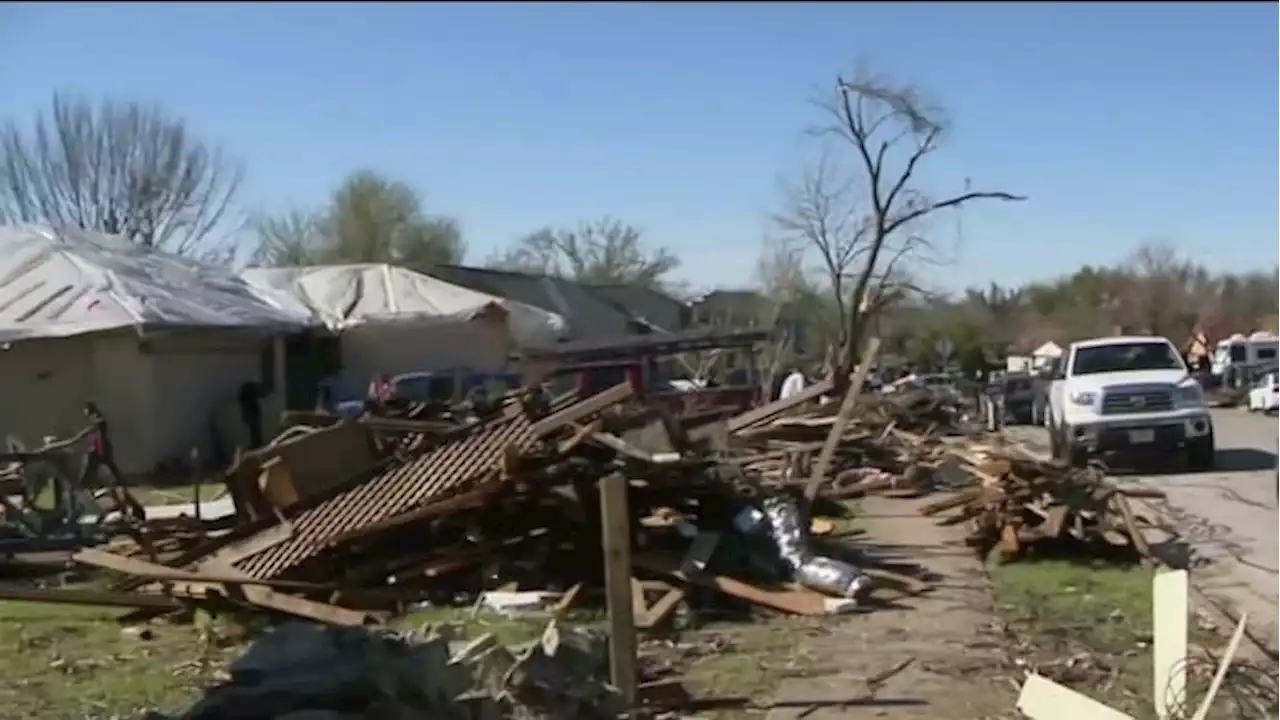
x=1083 y=398
x=1190 y=396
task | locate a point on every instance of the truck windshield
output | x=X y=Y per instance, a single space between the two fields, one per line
x=1122 y=357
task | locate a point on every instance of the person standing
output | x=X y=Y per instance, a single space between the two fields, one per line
x=248 y=398
x=792 y=385
x=101 y=455
x=379 y=389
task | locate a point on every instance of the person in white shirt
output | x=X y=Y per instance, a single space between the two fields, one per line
x=793 y=384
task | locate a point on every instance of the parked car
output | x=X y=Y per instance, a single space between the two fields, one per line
x=939 y=385
x=1264 y=396
x=1019 y=391
x=1130 y=396
x=426 y=386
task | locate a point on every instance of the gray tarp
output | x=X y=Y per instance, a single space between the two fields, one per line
x=67 y=282
x=343 y=296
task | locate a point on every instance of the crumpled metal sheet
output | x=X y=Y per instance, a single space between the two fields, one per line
x=824 y=574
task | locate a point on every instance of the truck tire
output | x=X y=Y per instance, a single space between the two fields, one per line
x=1201 y=453
x=1077 y=459
x=1062 y=451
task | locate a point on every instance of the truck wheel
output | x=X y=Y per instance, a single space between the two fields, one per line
x=1056 y=450
x=1077 y=458
x=1201 y=453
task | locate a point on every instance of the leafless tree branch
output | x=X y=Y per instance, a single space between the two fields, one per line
x=877 y=119
x=119 y=168
x=604 y=251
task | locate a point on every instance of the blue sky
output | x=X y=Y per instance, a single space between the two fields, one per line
x=1122 y=122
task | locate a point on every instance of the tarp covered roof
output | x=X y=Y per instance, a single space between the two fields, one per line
x=340 y=296
x=589 y=314
x=67 y=282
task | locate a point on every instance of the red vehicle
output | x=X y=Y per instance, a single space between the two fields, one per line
x=647 y=362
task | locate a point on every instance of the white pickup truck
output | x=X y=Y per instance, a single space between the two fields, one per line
x=1128 y=395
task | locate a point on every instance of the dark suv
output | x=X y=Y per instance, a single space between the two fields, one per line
x=1019 y=398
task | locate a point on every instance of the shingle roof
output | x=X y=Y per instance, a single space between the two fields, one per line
x=653 y=306
x=589 y=314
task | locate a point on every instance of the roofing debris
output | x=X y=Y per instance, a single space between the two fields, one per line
x=497 y=502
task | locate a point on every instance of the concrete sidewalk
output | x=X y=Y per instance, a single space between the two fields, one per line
x=948 y=634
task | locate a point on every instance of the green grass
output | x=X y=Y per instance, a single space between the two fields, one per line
x=1100 y=615
x=153 y=495
x=68 y=662
x=750 y=660
x=74 y=662
x=1088 y=626
x=71 y=662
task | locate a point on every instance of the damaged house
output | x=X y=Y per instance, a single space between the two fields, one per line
x=388 y=319
x=160 y=343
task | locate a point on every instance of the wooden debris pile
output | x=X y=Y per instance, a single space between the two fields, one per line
x=353 y=522
x=1022 y=502
x=880 y=444
x=917 y=443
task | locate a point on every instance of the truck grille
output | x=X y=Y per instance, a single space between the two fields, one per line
x=1136 y=400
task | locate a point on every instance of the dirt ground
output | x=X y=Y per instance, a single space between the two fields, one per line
x=949 y=636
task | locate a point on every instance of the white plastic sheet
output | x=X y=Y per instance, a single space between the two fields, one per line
x=342 y=296
x=67 y=282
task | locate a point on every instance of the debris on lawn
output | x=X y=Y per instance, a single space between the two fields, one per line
x=307 y=670
x=1022 y=502
x=354 y=522
x=350 y=523
x=496 y=503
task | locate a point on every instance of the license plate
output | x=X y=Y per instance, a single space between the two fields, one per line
x=1141 y=436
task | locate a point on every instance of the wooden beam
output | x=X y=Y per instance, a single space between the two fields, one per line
x=764 y=413
x=579 y=410
x=1169 y=642
x=823 y=466
x=154 y=571
x=1043 y=699
x=616 y=519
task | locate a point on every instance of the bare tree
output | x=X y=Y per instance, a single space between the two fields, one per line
x=294 y=239
x=369 y=219
x=780 y=270
x=119 y=168
x=891 y=132
x=603 y=251
x=1165 y=293
x=822 y=217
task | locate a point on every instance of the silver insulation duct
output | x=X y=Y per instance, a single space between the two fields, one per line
x=824 y=574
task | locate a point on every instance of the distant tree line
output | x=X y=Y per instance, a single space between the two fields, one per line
x=1156 y=290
